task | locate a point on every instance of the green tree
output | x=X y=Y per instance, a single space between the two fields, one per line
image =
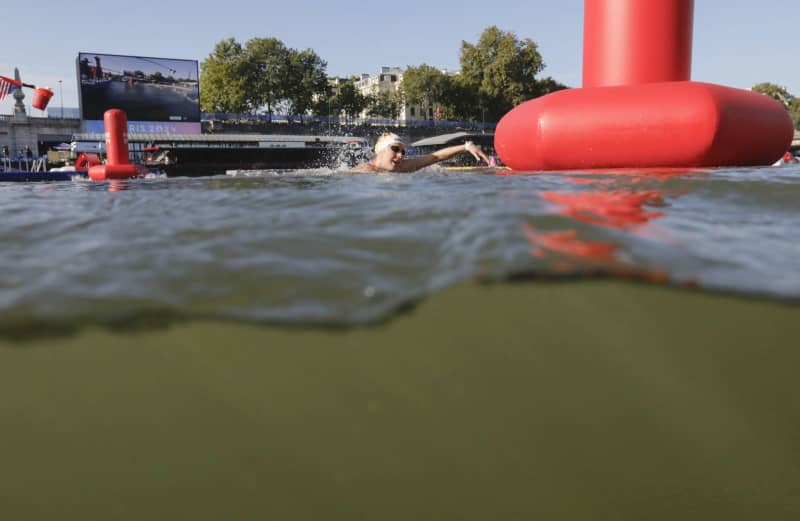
x=323 y=104
x=223 y=78
x=548 y=85
x=790 y=102
x=774 y=91
x=502 y=69
x=351 y=101
x=425 y=85
x=794 y=111
x=385 y=104
x=462 y=102
x=267 y=73
x=306 y=81
x=432 y=88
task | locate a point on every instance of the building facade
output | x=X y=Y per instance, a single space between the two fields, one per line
x=388 y=80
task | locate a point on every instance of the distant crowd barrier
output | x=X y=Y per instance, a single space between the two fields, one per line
x=22 y=163
x=334 y=120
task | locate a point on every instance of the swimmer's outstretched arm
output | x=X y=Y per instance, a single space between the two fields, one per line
x=415 y=163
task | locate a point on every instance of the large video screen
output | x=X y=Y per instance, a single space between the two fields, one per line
x=159 y=95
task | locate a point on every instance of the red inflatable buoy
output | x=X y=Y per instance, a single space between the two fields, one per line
x=117 y=165
x=637 y=107
x=629 y=42
x=670 y=124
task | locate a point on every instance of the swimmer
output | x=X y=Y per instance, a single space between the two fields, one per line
x=390 y=156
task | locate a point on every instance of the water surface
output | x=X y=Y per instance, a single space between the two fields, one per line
x=325 y=247
x=628 y=351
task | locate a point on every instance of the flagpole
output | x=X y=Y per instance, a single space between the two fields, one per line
x=18 y=83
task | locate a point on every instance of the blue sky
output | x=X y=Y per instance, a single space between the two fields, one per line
x=736 y=42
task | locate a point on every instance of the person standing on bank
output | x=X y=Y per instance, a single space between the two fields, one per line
x=390 y=156
x=28 y=153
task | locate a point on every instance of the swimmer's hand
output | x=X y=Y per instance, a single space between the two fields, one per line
x=476 y=152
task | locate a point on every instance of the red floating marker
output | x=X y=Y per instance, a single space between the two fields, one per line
x=117 y=164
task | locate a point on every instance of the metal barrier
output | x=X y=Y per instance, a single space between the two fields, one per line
x=39 y=165
x=24 y=164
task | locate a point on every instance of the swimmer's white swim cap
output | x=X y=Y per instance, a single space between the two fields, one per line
x=386 y=140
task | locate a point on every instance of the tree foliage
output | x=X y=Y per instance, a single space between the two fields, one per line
x=781 y=94
x=262 y=74
x=426 y=85
x=306 y=81
x=547 y=85
x=350 y=99
x=497 y=73
x=502 y=70
x=794 y=111
x=223 y=78
x=268 y=65
x=774 y=91
x=325 y=105
x=384 y=104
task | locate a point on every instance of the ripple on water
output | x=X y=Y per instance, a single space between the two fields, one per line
x=324 y=246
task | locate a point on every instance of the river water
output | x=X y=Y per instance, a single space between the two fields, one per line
x=462 y=345
x=325 y=247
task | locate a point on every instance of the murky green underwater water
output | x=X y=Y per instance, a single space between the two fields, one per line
x=446 y=346
x=579 y=400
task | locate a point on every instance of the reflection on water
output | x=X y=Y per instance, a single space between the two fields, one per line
x=611 y=202
x=613 y=209
x=567 y=243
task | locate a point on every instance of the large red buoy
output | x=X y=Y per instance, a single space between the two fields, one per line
x=627 y=42
x=670 y=124
x=637 y=107
x=117 y=165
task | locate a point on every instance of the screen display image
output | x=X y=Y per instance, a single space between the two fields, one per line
x=147 y=89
